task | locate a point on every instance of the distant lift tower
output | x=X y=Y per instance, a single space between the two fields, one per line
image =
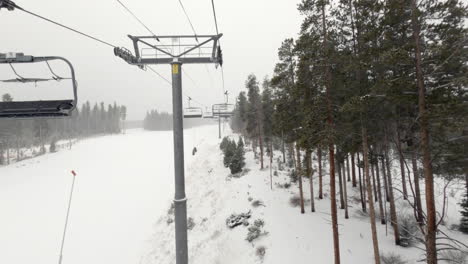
x=182 y=49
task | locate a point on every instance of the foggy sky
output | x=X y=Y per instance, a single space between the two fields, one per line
x=253 y=30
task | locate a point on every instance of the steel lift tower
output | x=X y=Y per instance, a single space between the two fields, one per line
x=184 y=49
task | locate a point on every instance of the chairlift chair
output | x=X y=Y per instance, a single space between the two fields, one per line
x=193 y=112
x=208 y=114
x=41 y=108
x=223 y=110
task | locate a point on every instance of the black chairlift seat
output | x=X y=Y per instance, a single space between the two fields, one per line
x=41 y=108
x=24 y=109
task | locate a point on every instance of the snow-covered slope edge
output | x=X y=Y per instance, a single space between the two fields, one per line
x=291 y=237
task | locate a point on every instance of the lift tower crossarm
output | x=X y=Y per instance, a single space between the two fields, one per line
x=184 y=57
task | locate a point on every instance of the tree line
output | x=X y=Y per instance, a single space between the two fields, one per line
x=364 y=84
x=16 y=135
x=157 y=121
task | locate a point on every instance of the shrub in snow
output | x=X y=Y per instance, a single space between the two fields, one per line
x=295 y=201
x=275 y=173
x=224 y=143
x=260 y=252
x=53 y=147
x=391 y=258
x=238 y=219
x=257 y=203
x=454 y=256
x=285 y=185
x=234 y=156
x=409 y=230
x=293 y=176
x=237 y=160
x=228 y=152
x=190 y=223
x=255 y=231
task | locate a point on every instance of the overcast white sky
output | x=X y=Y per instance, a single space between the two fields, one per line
x=253 y=31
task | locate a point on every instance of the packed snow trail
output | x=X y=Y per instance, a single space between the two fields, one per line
x=124 y=183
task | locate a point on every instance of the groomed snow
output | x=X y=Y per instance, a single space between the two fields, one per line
x=124 y=190
x=124 y=183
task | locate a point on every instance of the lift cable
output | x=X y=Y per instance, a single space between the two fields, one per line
x=134 y=16
x=217 y=32
x=214 y=15
x=170 y=84
x=188 y=18
x=13 y=5
x=157 y=73
x=61 y=25
x=71 y=29
x=151 y=32
x=196 y=38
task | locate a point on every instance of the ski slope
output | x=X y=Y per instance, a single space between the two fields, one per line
x=124 y=190
x=124 y=183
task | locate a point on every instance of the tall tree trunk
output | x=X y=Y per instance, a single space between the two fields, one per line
x=254 y=146
x=402 y=165
x=393 y=214
x=271 y=163
x=347 y=169
x=260 y=140
x=431 y=250
x=282 y=147
x=387 y=198
x=299 y=177
x=293 y=154
x=353 y=170
x=373 y=183
x=417 y=190
x=340 y=181
x=379 y=192
x=319 y=160
x=362 y=189
x=310 y=173
x=345 y=191
x=331 y=149
x=369 y=193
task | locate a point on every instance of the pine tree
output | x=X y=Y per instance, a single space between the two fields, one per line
x=237 y=160
x=254 y=114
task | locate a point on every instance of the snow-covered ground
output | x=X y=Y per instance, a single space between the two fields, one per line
x=124 y=183
x=120 y=212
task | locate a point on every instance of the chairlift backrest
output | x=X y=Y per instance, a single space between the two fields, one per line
x=208 y=114
x=223 y=110
x=40 y=108
x=193 y=112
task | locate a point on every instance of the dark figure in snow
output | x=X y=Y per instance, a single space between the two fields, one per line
x=194 y=151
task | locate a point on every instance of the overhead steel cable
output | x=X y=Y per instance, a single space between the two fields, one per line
x=217 y=32
x=162 y=77
x=170 y=83
x=188 y=18
x=76 y=31
x=214 y=15
x=61 y=25
x=134 y=16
